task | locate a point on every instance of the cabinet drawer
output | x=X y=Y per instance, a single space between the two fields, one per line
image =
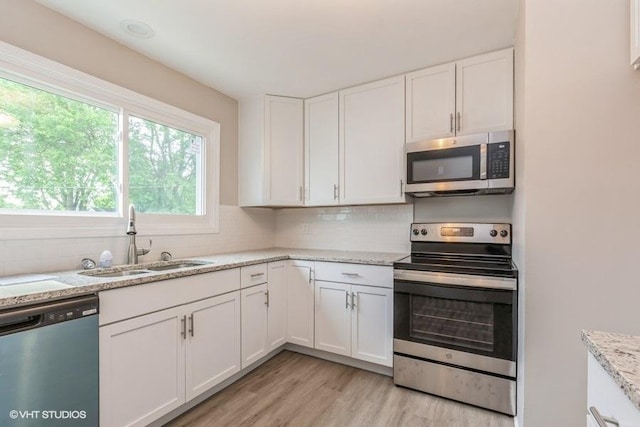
x=253 y=275
x=358 y=274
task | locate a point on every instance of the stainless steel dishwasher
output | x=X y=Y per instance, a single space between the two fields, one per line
x=49 y=364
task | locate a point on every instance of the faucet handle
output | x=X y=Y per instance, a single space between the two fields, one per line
x=144 y=251
x=166 y=256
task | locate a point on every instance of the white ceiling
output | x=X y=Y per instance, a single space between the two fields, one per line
x=300 y=48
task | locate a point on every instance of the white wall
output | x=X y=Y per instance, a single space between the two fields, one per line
x=582 y=175
x=519 y=201
x=383 y=228
x=240 y=229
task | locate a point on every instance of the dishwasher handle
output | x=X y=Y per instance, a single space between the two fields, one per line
x=35 y=316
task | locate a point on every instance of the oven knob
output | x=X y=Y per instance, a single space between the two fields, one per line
x=504 y=233
x=415 y=231
x=493 y=233
x=423 y=231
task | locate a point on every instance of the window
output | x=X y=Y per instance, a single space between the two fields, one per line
x=56 y=153
x=75 y=151
x=165 y=172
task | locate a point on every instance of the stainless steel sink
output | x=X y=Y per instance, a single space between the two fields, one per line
x=114 y=273
x=133 y=270
x=177 y=264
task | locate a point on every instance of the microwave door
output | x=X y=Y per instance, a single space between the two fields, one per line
x=446 y=170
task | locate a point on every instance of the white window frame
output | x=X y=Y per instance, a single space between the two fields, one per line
x=26 y=67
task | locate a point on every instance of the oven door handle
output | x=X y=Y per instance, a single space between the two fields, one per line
x=468 y=280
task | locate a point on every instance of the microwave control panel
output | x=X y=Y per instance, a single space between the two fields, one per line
x=498 y=160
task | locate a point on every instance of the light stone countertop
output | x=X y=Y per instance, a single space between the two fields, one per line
x=82 y=284
x=619 y=355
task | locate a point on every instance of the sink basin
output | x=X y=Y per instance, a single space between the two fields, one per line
x=119 y=273
x=133 y=270
x=115 y=273
x=176 y=265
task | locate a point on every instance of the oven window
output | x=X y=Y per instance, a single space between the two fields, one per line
x=444 y=169
x=465 y=324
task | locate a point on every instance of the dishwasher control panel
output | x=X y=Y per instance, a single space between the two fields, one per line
x=70 y=313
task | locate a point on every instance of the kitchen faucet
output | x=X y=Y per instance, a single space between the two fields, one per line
x=134 y=252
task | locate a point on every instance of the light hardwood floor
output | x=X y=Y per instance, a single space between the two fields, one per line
x=297 y=390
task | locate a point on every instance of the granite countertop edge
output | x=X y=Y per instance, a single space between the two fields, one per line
x=619 y=355
x=85 y=285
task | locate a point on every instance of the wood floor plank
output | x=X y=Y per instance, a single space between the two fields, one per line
x=299 y=391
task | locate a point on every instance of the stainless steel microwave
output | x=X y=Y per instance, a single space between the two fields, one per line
x=464 y=165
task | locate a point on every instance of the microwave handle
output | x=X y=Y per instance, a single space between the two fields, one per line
x=483 y=161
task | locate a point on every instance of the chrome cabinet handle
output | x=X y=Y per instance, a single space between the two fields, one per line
x=346 y=299
x=353 y=300
x=183 y=321
x=602 y=421
x=310 y=271
x=257 y=275
x=401 y=185
x=459 y=120
x=266 y=302
x=335 y=192
x=191 y=324
x=451 y=122
x=351 y=274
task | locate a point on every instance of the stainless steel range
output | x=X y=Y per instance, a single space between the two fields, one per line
x=455 y=314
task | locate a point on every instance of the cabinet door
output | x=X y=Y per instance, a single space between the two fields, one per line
x=254 y=324
x=371 y=142
x=333 y=318
x=300 y=303
x=372 y=324
x=607 y=396
x=284 y=150
x=142 y=368
x=431 y=103
x=277 y=305
x=321 y=150
x=213 y=342
x=484 y=92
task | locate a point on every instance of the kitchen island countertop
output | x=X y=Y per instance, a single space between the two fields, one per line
x=619 y=355
x=74 y=284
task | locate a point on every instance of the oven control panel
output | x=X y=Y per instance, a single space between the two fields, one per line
x=461 y=232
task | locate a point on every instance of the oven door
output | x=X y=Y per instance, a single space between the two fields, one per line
x=472 y=326
x=444 y=165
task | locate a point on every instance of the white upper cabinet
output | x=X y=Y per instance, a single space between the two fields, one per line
x=431 y=102
x=270 y=151
x=371 y=138
x=484 y=93
x=321 y=150
x=468 y=96
x=635 y=34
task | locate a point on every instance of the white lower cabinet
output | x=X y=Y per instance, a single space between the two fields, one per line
x=152 y=364
x=355 y=321
x=264 y=315
x=608 y=399
x=300 y=303
x=213 y=342
x=333 y=317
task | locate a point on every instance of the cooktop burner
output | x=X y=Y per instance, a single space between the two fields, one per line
x=461 y=248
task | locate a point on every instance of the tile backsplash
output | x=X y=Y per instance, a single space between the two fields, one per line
x=240 y=229
x=382 y=228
